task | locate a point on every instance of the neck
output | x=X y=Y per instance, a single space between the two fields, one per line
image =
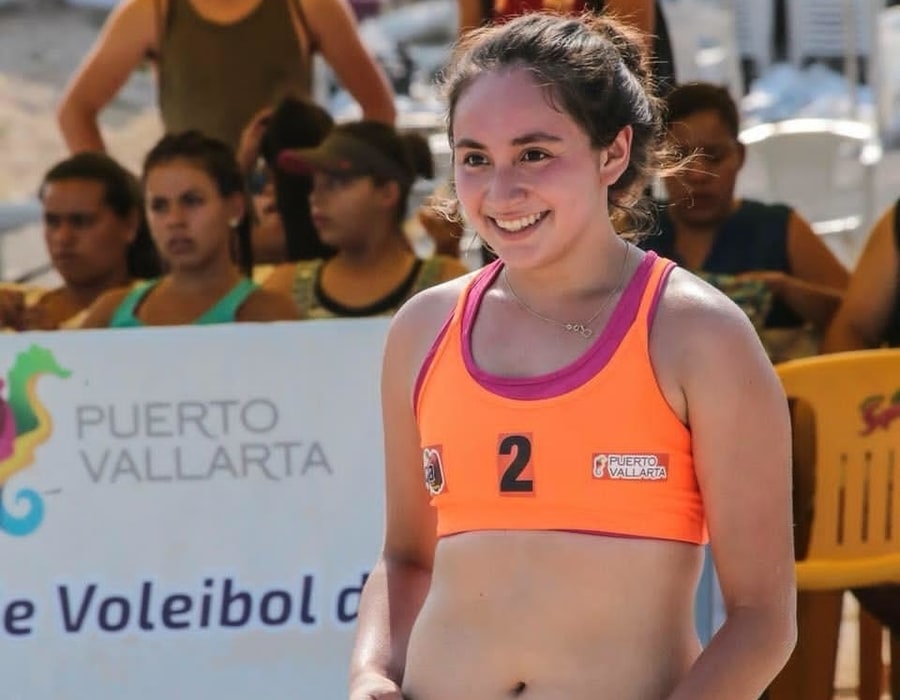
x=222 y=275
x=379 y=250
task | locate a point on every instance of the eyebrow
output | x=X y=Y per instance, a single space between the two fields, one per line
x=524 y=139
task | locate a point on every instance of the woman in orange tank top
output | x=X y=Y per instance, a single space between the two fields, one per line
x=567 y=427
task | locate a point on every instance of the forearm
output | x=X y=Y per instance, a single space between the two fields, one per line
x=742 y=659
x=79 y=128
x=815 y=304
x=844 y=335
x=390 y=603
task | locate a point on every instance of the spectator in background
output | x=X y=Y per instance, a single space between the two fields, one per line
x=96 y=237
x=362 y=175
x=869 y=317
x=218 y=64
x=706 y=229
x=198 y=215
x=289 y=235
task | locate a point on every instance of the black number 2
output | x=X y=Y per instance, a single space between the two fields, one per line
x=520 y=447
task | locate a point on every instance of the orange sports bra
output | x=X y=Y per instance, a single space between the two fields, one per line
x=593 y=447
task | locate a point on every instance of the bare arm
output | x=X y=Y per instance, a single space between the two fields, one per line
x=737 y=413
x=397 y=586
x=862 y=318
x=815 y=286
x=639 y=13
x=469 y=14
x=127 y=36
x=334 y=29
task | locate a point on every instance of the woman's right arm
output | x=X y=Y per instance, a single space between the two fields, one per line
x=395 y=589
x=862 y=318
x=125 y=40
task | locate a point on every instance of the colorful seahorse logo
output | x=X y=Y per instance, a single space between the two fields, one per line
x=24 y=424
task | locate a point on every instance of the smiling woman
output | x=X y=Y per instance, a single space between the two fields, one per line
x=197 y=211
x=617 y=414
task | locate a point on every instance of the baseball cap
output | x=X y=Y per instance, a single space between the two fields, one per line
x=344 y=152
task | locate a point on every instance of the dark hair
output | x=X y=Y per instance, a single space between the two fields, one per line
x=295 y=123
x=409 y=150
x=594 y=68
x=122 y=194
x=218 y=161
x=690 y=98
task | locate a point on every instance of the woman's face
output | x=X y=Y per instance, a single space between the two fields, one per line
x=703 y=193
x=86 y=240
x=191 y=223
x=526 y=175
x=346 y=210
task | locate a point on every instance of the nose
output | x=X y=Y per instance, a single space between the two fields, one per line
x=505 y=187
x=61 y=235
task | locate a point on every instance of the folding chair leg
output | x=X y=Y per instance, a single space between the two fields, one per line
x=871 y=667
x=809 y=673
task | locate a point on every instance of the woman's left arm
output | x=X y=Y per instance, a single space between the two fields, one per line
x=336 y=33
x=815 y=287
x=738 y=418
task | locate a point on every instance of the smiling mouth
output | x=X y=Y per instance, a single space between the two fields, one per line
x=523 y=222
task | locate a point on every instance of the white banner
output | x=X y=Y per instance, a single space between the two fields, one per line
x=187 y=512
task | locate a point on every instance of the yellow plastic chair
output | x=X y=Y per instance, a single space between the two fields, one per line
x=855 y=529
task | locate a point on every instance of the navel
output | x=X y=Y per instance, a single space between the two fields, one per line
x=518 y=689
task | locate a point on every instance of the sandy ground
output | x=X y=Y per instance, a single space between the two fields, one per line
x=41 y=42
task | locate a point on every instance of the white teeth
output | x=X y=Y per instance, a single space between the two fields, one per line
x=519 y=224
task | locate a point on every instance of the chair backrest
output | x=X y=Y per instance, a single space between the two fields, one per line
x=831 y=28
x=704 y=41
x=824 y=168
x=855 y=397
x=886 y=72
x=755 y=27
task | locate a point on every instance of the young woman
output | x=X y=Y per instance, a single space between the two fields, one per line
x=565 y=426
x=707 y=229
x=220 y=63
x=197 y=211
x=96 y=238
x=362 y=175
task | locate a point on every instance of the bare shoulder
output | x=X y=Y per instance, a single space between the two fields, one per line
x=418 y=323
x=281 y=279
x=266 y=305
x=696 y=324
x=100 y=313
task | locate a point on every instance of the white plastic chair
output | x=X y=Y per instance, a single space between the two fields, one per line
x=842 y=29
x=825 y=169
x=704 y=41
x=755 y=26
x=886 y=72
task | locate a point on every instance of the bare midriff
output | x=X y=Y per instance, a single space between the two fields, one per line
x=554 y=616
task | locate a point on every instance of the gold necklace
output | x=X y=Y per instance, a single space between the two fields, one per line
x=573 y=327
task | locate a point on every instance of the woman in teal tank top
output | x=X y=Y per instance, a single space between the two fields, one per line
x=197 y=212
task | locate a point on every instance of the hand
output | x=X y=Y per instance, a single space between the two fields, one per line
x=248 y=145
x=775 y=280
x=445 y=232
x=12 y=309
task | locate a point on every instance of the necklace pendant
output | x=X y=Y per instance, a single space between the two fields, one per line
x=583 y=330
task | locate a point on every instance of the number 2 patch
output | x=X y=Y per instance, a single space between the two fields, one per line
x=515 y=467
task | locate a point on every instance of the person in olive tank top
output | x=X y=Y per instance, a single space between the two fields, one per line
x=197 y=211
x=219 y=64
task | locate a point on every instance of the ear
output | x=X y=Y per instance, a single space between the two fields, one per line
x=742 y=154
x=389 y=194
x=236 y=207
x=612 y=160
